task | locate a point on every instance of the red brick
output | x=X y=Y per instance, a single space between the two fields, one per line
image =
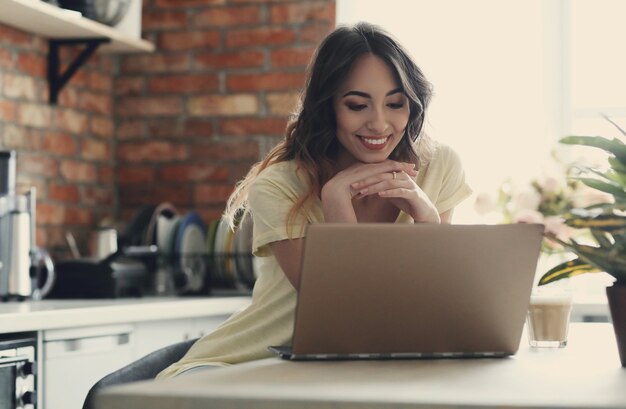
x=37 y=164
x=292 y=57
x=96 y=103
x=154 y=63
x=63 y=193
x=226 y=105
x=16 y=37
x=247 y=150
x=179 y=128
x=59 y=143
x=253 y=126
x=213 y=213
x=302 y=12
x=105 y=175
x=92 y=149
x=187 y=3
x=314 y=33
x=19 y=137
x=208 y=194
x=135 y=174
x=6 y=58
x=150 y=151
x=243 y=59
x=126 y=86
x=20 y=86
x=179 y=195
x=79 y=79
x=193 y=172
x=78 y=216
x=188 y=40
x=149 y=106
x=76 y=171
x=50 y=213
x=163 y=20
x=259 y=36
x=98 y=196
x=102 y=126
x=283 y=103
x=71 y=121
x=130 y=129
x=35 y=115
x=68 y=97
x=227 y=16
x=187 y=84
x=99 y=81
x=8 y=110
x=275 y=81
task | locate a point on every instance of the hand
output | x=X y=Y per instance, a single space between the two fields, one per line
x=402 y=191
x=337 y=194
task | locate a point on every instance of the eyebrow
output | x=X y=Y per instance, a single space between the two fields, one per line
x=366 y=95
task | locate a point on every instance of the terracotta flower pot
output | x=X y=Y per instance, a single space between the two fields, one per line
x=617 y=303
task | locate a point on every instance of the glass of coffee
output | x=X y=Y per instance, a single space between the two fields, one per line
x=548 y=319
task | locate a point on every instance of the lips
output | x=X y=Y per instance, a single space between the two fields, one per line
x=374 y=142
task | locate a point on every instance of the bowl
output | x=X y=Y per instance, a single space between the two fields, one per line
x=110 y=12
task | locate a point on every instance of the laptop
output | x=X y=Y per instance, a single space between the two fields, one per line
x=387 y=291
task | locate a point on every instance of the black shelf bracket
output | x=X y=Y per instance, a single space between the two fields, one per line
x=57 y=80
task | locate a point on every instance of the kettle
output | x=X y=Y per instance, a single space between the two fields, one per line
x=21 y=261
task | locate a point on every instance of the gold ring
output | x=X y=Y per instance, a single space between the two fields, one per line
x=394 y=175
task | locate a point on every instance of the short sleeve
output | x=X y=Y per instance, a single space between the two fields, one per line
x=270 y=201
x=443 y=179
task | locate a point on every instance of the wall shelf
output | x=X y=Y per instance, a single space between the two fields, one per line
x=65 y=28
x=37 y=17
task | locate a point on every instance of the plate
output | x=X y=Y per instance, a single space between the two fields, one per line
x=243 y=251
x=191 y=251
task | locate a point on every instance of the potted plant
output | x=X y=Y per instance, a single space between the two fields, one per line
x=606 y=223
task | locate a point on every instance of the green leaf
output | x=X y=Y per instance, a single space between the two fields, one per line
x=617 y=165
x=614 y=146
x=607 y=187
x=615 y=125
x=568 y=269
x=608 y=220
x=601 y=238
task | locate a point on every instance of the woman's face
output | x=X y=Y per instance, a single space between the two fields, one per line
x=372 y=112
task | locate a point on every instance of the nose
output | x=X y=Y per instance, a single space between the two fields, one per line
x=377 y=122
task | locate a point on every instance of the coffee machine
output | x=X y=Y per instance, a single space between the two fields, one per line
x=19 y=257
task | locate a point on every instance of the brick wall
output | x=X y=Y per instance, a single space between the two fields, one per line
x=193 y=116
x=66 y=151
x=182 y=124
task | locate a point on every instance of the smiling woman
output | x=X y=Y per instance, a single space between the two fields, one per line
x=354 y=153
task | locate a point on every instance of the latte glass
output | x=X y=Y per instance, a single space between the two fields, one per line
x=548 y=319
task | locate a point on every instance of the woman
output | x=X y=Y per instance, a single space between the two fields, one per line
x=354 y=153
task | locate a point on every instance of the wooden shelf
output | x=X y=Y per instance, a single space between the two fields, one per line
x=37 y=17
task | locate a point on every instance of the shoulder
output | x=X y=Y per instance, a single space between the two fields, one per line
x=284 y=177
x=443 y=157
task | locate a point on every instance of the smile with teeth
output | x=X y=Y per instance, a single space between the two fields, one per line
x=375 y=141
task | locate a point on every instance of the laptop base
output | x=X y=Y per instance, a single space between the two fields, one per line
x=285 y=352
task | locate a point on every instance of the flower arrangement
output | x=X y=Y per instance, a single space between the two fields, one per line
x=544 y=200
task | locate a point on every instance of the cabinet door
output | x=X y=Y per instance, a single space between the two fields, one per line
x=75 y=359
x=152 y=335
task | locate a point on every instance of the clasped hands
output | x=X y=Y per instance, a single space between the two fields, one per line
x=390 y=179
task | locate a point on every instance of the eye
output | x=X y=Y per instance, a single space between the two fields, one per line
x=357 y=107
x=398 y=105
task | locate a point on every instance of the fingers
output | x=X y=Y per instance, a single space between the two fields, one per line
x=382 y=182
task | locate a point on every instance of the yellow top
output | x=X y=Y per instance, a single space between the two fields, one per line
x=268 y=320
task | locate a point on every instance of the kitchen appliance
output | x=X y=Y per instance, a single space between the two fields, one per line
x=21 y=262
x=117 y=275
x=18 y=371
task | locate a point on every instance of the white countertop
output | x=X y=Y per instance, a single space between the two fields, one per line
x=48 y=314
x=585 y=374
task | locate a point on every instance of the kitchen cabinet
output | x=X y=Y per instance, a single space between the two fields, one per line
x=75 y=359
x=80 y=341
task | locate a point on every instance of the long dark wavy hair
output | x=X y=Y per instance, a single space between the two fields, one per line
x=310 y=139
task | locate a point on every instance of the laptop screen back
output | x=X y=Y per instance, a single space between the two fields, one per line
x=419 y=288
